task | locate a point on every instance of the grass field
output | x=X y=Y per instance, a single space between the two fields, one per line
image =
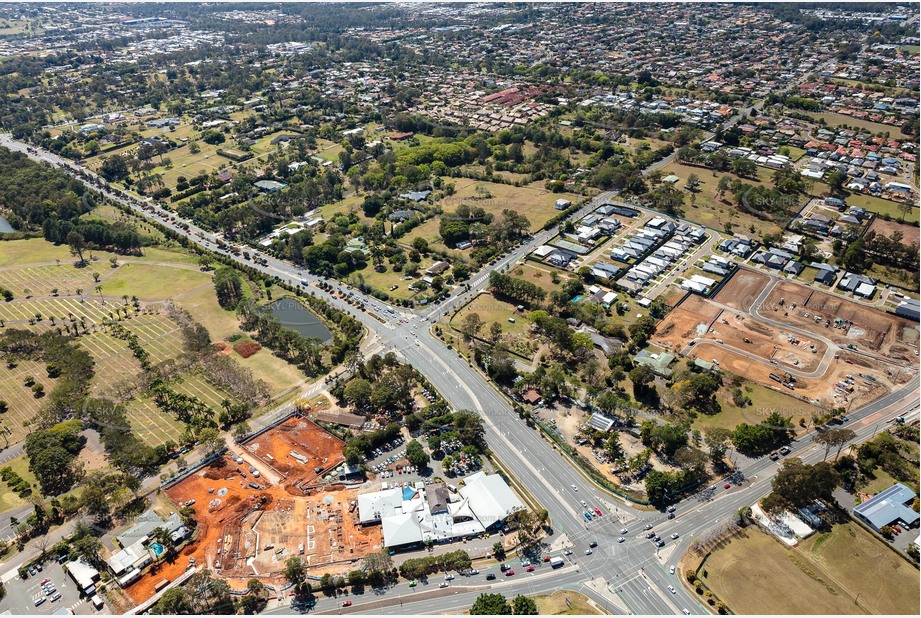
x=37 y=251
x=835 y=120
x=859 y=563
x=540 y=275
x=222 y=324
x=8 y=498
x=153 y=282
x=764 y=401
x=533 y=201
x=21 y=401
x=555 y=604
x=755 y=574
x=884 y=207
x=707 y=210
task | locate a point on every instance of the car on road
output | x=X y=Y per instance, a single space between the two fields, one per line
x=593 y=544
x=727 y=486
x=670 y=509
x=505 y=567
x=346 y=604
x=784 y=450
x=674 y=535
x=588 y=516
x=473 y=572
x=671 y=569
x=583 y=503
x=647 y=527
x=568 y=552
x=443 y=585
x=686 y=612
x=598 y=512
x=449 y=577
x=530 y=568
x=574 y=488
x=412 y=584
x=588 y=552
x=546 y=558
x=671 y=516
x=509 y=573
x=672 y=589
x=623 y=531
x=621 y=539
x=491 y=576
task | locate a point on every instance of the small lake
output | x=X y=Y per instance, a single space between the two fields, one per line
x=5 y=227
x=294 y=315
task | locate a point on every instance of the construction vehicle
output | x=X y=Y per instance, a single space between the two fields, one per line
x=776 y=377
x=746 y=340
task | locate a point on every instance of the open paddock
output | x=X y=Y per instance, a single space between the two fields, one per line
x=844 y=571
x=533 y=200
x=741 y=291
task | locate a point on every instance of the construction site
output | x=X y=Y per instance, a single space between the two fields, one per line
x=829 y=367
x=277 y=495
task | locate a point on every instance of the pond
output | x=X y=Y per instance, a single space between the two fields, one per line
x=5 y=227
x=294 y=315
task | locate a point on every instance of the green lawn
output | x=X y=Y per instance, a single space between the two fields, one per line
x=884 y=207
x=8 y=498
x=40 y=251
x=491 y=309
x=152 y=282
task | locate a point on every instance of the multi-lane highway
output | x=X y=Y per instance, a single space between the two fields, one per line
x=635 y=571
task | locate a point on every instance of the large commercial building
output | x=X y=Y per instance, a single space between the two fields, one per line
x=889 y=506
x=410 y=516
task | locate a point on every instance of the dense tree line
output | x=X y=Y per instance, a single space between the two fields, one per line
x=515 y=289
x=53 y=454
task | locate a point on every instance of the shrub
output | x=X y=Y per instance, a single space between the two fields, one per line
x=247 y=348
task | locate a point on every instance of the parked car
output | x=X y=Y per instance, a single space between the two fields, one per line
x=346 y=604
x=588 y=552
x=621 y=539
x=509 y=573
x=530 y=568
x=443 y=585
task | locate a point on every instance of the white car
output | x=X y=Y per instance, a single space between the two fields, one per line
x=671 y=569
x=574 y=488
x=621 y=539
x=686 y=612
x=588 y=552
x=582 y=502
x=449 y=577
x=568 y=552
x=623 y=531
x=674 y=535
x=672 y=590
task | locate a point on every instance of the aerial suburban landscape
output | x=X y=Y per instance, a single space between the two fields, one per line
x=459 y=308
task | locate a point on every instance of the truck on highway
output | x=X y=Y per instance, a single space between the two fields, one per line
x=556 y=561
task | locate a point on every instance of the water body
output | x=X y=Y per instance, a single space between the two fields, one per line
x=5 y=227
x=294 y=315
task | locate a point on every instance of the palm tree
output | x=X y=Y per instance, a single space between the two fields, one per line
x=99 y=291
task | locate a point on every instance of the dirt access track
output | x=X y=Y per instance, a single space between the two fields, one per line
x=245 y=531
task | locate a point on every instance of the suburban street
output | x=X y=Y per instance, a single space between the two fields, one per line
x=636 y=572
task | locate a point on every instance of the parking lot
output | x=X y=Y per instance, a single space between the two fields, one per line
x=21 y=595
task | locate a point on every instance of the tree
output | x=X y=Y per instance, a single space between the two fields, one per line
x=716 y=439
x=491 y=604
x=471 y=325
x=524 y=606
x=213 y=137
x=797 y=484
x=834 y=438
x=174 y=601
x=212 y=439
x=612 y=447
x=294 y=571
x=77 y=244
x=358 y=392
x=194 y=148
x=229 y=287
x=498 y=550
x=416 y=454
